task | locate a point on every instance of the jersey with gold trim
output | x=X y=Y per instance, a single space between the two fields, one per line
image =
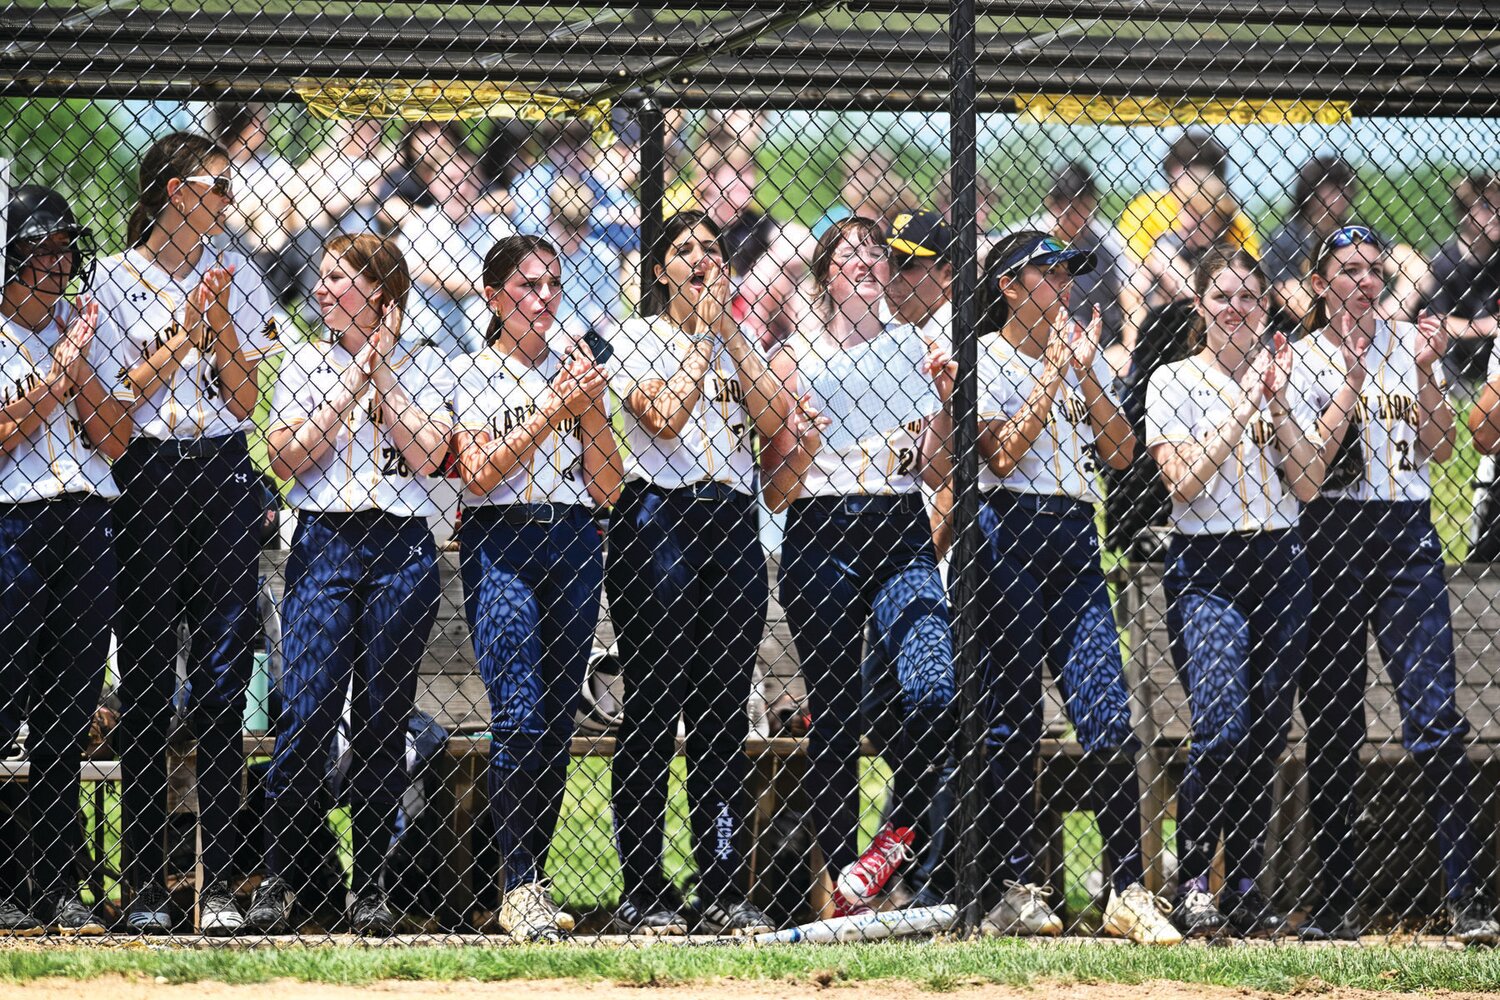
x=878 y=400
x=364 y=470
x=1062 y=461
x=493 y=394
x=1190 y=401
x=715 y=441
x=56 y=457
x=141 y=307
x=1388 y=415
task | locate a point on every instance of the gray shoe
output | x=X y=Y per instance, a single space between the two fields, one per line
x=218 y=913
x=70 y=917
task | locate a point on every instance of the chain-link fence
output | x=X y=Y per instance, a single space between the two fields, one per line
x=821 y=471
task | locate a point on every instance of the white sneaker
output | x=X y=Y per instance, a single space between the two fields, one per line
x=527 y=913
x=218 y=914
x=1023 y=912
x=1141 y=916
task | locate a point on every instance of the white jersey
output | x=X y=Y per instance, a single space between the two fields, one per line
x=56 y=457
x=141 y=307
x=715 y=441
x=364 y=470
x=878 y=400
x=1190 y=401
x=494 y=393
x=1062 y=461
x=1388 y=413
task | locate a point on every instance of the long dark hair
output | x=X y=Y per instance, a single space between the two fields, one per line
x=654 y=295
x=1216 y=260
x=501 y=262
x=179 y=155
x=994 y=312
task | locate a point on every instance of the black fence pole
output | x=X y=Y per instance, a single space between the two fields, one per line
x=653 y=183
x=963 y=131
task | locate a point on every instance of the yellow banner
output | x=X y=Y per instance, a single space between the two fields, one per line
x=425 y=100
x=1066 y=109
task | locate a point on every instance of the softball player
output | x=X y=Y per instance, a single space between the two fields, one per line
x=352 y=425
x=1047 y=411
x=858 y=548
x=187 y=328
x=59 y=423
x=535 y=454
x=1236 y=456
x=686 y=577
x=1376 y=563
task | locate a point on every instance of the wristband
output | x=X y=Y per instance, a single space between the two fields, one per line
x=700 y=338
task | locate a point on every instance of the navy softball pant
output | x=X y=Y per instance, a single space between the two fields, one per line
x=531 y=595
x=1378 y=567
x=1236 y=618
x=848 y=561
x=686 y=577
x=57 y=603
x=1043 y=602
x=362 y=594
x=189 y=550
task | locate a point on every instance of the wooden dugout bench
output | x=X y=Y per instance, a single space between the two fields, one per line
x=1401 y=863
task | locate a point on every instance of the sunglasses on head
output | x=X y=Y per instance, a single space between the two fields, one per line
x=1043 y=248
x=1348 y=236
x=219 y=184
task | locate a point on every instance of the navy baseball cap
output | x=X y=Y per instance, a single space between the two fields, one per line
x=1045 y=251
x=921 y=234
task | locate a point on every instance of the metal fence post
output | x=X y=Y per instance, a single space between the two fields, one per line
x=963 y=148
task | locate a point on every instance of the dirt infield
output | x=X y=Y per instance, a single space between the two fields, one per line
x=116 y=988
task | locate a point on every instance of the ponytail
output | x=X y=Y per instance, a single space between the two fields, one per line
x=179 y=155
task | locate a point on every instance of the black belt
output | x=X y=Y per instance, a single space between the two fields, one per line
x=360 y=518
x=519 y=514
x=860 y=503
x=707 y=489
x=200 y=447
x=1038 y=503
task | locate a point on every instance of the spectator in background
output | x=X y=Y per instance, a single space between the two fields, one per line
x=1463 y=284
x=1070 y=212
x=335 y=191
x=420 y=154
x=1322 y=201
x=767 y=262
x=255 y=223
x=872 y=189
x=1204 y=220
x=447 y=243
x=590 y=266
x=572 y=153
x=1190 y=162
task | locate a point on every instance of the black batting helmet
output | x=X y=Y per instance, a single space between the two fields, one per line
x=34 y=213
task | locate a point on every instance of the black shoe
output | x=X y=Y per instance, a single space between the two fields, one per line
x=1196 y=915
x=16 y=922
x=739 y=919
x=150 y=912
x=270 y=909
x=66 y=914
x=371 y=915
x=1250 y=915
x=1332 y=924
x=1472 y=921
x=657 y=918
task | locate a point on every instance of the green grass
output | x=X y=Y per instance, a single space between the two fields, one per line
x=937 y=966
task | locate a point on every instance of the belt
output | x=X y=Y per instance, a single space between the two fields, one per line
x=1038 y=503
x=707 y=489
x=345 y=518
x=190 y=447
x=860 y=503
x=519 y=514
